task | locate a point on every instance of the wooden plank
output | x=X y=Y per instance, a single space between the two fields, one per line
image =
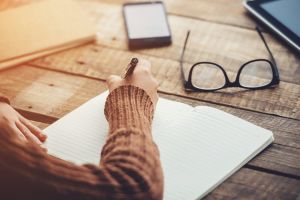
x=286 y=131
x=99 y=62
x=117 y=40
x=229 y=46
x=223 y=44
x=55 y=94
x=269 y=158
x=170 y=84
x=45 y=92
x=249 y=184
x=218 y=11
x=246 y=183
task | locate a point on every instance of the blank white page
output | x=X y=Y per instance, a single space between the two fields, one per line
x=203 y=148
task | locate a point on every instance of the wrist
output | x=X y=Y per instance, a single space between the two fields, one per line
x=129 y=107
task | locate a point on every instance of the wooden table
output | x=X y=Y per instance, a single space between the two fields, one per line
x=46 y=89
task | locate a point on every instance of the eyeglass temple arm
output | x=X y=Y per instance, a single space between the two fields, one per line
x=268 y=49
x=182 y=56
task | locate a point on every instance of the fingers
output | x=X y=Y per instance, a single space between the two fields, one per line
x=144 y=66
x=13 y=130
x=29 y=136
x=16 y=126
x=113 y=82
x=33 y=129
x=27 y=133
x=141 y=77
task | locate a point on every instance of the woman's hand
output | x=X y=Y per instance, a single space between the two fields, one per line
x=12 y=124
x=141 y=77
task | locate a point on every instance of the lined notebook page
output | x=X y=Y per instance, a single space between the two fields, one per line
x=202 y=148
x=80 y=135
x=199 y=147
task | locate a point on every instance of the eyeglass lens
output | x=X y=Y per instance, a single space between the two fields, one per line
x=207 y=76
x=256 y=74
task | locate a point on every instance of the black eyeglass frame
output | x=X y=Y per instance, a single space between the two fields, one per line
x=190 y=87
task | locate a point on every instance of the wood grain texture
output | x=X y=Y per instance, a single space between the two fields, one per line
x=45 y=92
x=30 y=91
x=167 y=68
x=250 y=184
x=229 y=46
x=286 y=131
x=100 y=62
x=48 y=88
x=222 y=44
x=215 y=11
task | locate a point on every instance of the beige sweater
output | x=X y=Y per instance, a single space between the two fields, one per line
x=129 y=168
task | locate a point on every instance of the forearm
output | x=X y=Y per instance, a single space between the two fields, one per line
x=129 y=167
x=130 y=148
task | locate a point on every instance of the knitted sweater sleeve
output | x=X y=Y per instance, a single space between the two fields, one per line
x=129 y=167
x=3 y=98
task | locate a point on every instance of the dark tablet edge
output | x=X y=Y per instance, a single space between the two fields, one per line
x=270 y=25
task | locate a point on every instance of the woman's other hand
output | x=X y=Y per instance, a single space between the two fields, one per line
x=141 y=78
x=13 y=124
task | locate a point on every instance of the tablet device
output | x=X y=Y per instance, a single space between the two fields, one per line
x=146 y=24
x=282 y=16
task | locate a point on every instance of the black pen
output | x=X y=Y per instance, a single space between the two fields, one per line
x=130 y=68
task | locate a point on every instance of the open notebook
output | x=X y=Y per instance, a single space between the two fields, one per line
x=200 y=147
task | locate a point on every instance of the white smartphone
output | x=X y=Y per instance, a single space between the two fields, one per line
x=147 y=24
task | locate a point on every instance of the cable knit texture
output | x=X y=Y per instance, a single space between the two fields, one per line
x=129 y=167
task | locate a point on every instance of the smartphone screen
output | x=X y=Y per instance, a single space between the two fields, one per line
x=146 y=20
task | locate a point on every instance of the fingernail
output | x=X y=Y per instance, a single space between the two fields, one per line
x=43 y=137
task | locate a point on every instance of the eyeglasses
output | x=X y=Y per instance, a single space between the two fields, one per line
x=209 y=76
